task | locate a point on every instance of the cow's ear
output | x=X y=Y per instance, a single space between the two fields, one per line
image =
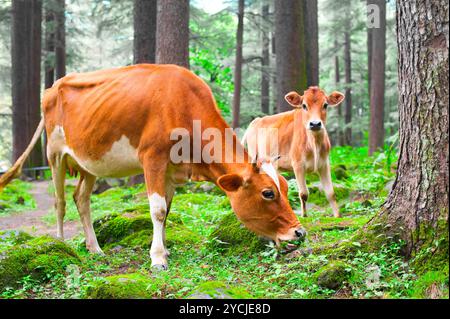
x=230 y=182
x=294 y=99
x=335 y=98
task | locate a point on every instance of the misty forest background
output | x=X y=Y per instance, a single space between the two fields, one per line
x=389 y=160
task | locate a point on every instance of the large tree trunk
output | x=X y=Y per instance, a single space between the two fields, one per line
x=265 y=61
x=238 y=66
x=312 y=42
x=369 y=52
x=337 y=81
x=60 y=45
x=348 y=88
x=144 y=31
x=172 y=33
x=26 y=72
x=417 y=207
x=290 y=50
x=49 y=63
x=377 y=83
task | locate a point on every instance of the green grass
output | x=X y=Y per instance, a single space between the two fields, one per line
x=270 y=273
x=16 y=198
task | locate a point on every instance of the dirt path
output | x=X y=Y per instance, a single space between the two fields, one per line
x=31 y=222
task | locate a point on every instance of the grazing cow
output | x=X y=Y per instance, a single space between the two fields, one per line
x=118 y=122
x=301 y=138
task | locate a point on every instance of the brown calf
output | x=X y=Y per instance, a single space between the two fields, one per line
x=119 y=122
x=301 y=138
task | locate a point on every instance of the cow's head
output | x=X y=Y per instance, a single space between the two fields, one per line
x=314 y=104
x=258 y=196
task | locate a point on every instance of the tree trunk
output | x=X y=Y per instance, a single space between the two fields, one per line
x=172 y=33
x=238 y=66
x=377 y=86
x=49 y=63
x=312 y=42
x=60 y=45
x=348 y=88
x=26 y=70
x=417 y=207
x=265 y=62
x=337 y=81
x=290 y=50
x=369 y=52
x=144 y=31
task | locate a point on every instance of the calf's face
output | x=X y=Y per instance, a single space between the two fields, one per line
x=259 y=199
x=314 y=104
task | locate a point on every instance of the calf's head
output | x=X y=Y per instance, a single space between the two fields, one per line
x=259 y=198
x=314 y=104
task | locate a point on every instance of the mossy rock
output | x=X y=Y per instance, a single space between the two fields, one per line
x=317 y=195
x=40 y=258
x=219 y=290
x=333 y=275
x=340 y=172
x=230 y=236
x=126 y=286
x=133 y=229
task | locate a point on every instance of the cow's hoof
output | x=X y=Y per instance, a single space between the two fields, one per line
x=96 y=250
x=159 y=267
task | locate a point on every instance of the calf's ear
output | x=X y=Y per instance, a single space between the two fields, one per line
x=230 y=182
x=335 y=98
x=294 y=99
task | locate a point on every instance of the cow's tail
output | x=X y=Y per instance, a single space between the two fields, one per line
x=16 y=169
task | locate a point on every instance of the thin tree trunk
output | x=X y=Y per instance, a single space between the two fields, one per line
x=26 y=68
x=172 y=32
x=144 y=13
x=369 y=52
x=60 y=45
x=417 y=207
x=377 y=87
x=337 y=81
x=265 y=62
x=290 y=50
x=238 y=66
x=348 y=88
x=312 y=41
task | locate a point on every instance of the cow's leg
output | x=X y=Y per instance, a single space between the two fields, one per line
x=325 y=179
x=58 y=167
x=303 y=193
x=82 y=198
x=155 y=171
x=170 y=190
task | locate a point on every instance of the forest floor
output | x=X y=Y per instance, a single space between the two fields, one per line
x=212 y=255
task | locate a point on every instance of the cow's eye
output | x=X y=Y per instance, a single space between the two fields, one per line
x=325 y=106
x=268 y=194
x=305 y=107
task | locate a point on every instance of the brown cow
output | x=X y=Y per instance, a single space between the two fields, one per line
x=300 y=139
x=118 y=123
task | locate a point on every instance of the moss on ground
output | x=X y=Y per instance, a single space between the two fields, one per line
x=432 y=284
x=126 y=286
x=230 y=236
x=40 y=258
x=133 y=229
x=219 y=290
x=333 y=275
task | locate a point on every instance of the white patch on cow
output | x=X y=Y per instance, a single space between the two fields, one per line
x=121 y=160
x=158 y=210
x=270 y=170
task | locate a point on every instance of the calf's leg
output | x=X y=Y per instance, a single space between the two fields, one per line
x=302 y=189
x=325 y=179
x=58 y=167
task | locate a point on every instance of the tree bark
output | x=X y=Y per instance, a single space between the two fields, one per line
x=60 y=40
x=337 y=81
x=312 y=42
x=265 y=62
x=348 y=89
x=238 y=66
x=290 y=50
x=172 y=33
x=369 y=52
x=144 y=13
x=377 y=84
x=417 y=207
x=49 y=64
x=26 y=68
